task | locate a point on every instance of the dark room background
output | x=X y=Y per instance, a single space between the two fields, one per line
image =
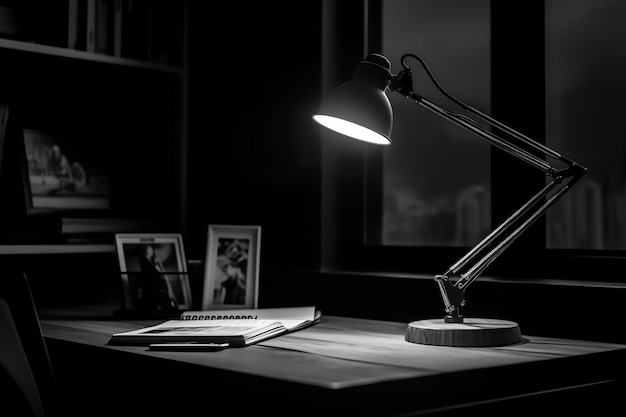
x=251 y=154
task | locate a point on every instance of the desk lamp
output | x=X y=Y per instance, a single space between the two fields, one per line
x=360 y=109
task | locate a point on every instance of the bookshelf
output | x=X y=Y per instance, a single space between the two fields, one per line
x=55 y=51
x=107 y=80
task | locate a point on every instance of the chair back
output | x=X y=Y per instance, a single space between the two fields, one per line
x=27 y=380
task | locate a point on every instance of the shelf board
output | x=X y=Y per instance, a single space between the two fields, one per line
x=67 y=248
x=78 y=226
x=37 y=48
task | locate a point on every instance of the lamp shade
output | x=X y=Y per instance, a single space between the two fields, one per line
x=360 y=108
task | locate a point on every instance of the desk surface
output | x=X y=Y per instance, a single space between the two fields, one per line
x=364 y=357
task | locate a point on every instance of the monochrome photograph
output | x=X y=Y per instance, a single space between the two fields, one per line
x=62 y=175
x=232 y=267
x=153 y=272
x=438 y=186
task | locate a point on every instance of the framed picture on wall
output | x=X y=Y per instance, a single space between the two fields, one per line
x=231 y=278
x=154 y=275
x=65 y=173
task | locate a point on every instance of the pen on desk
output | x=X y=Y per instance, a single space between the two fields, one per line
x=188 y=347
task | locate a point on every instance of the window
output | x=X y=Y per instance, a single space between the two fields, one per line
x=585 y=86
x=436 y=176
x=527 y=64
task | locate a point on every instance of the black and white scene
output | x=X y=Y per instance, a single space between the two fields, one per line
x=441 y=184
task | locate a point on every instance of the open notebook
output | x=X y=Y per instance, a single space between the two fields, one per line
x=236 y=328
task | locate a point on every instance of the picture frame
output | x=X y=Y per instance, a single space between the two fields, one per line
x=231 y=278
x=151 y=289
x=13 y=169
x=63 y=175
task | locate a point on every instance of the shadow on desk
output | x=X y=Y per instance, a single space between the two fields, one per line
x=341 y=366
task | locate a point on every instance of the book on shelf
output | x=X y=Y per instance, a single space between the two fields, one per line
x=81 y=25
x=117 y=28
x=90 y=41
x=135 y=29
x=73 y=27
x=92 y=25
x=236 y=328
x=104 y=27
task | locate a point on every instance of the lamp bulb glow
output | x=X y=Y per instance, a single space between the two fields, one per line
x=351 y=129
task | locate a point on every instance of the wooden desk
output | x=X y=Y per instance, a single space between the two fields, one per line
x=341 y=366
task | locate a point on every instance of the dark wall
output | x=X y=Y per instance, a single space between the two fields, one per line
x=253 y=151
x=254 y=154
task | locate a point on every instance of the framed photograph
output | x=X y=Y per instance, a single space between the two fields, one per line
x=231 y=278
x=154 y=272
x=65 y=173
x=14 y=190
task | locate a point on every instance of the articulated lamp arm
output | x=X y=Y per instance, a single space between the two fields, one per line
x=453 y=283
x=361 y=109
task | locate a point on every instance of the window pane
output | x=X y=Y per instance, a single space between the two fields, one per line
x=585 y=87
x=436 y=176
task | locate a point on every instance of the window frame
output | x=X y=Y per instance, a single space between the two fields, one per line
x=352 y=171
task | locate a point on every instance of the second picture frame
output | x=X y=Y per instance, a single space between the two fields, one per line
x=231 y=278
x=153 y=269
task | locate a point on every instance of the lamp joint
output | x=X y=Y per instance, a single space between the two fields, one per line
x=402 y=83
x=573 y=170
x=453 y=299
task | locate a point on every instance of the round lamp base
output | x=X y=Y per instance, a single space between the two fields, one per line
x=473 y=332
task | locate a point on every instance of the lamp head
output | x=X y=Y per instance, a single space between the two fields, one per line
x=360 y=108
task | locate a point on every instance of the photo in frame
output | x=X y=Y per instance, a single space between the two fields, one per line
x=231 y=278
x=153 y=269
x=65 y=174
x=14 y=190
